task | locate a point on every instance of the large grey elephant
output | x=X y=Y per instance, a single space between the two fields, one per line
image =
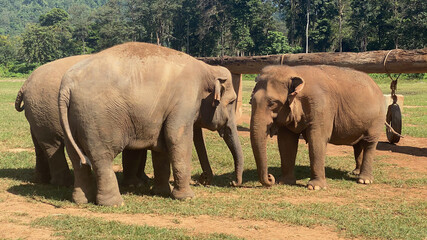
x=324 y=104
x=40 y=97
x=140 y=96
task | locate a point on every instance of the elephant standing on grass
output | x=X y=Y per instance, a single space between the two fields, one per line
x=135 y=96
x=40 y=97
x=324 y=104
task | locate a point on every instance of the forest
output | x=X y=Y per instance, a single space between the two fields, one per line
x=33 y=32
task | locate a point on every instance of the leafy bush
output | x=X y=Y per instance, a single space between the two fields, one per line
x=17 y=70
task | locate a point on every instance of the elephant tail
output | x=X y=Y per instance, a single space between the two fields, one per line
x=19 y=98
x=64 y=103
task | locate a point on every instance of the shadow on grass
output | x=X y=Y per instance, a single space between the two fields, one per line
x=414 y=151
x=20 y=174
x=301 y=172
x=28 y=187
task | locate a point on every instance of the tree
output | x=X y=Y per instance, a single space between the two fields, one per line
x=80 y=19
x=50 y=41
x=54 y=16
x=40 y=44
x=8 y=49
x=277 y=43
x=110 y=25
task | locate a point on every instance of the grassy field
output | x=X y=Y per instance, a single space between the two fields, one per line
x=395 y=207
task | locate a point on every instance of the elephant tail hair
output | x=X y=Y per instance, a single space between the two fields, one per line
x=64 y=102
x=19 y=98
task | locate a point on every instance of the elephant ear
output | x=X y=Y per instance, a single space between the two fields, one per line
x=297 y=84
x=218 y=91
x=295 y=108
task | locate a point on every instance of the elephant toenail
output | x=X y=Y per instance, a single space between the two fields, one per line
x=317 y=188
x=310 y=187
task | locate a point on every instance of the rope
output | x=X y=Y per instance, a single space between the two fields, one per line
x=392 y=130
x=393 y=84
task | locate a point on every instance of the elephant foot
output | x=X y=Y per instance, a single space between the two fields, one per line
x=80 y=197
x=365 y=179
x=316 y=184
x=162 y=191
x=115 y=200
x=182 y=193
x=356 y=171
x=205 y=178
x=64 y=179
x=287 y=180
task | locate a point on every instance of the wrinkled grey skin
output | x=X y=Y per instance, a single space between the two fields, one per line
x=40 y=96
x=40 y=93
x=326 y=105
x=139 y=96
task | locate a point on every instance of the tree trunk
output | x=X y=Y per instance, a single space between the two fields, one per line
x=398 y=61
x=306 y=28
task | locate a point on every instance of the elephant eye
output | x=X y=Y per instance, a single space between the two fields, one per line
x=273 y=104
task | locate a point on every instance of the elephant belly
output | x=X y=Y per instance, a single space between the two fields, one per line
x=349 y=140
x=151 y=144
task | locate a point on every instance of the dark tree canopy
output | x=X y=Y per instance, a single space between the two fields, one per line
x=38 y=31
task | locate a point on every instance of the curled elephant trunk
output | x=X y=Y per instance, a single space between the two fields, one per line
x=259 y=132
x=231 y=138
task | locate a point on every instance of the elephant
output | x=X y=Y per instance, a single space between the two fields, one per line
x=140 y=96
x=325 y=104
x=40 y=96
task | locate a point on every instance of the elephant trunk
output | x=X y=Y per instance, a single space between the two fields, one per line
x=231 y=138
x=258 y=133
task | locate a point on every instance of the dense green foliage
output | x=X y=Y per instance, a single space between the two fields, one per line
x=39 y=31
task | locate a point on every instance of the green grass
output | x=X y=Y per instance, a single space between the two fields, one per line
x=73 y=227
x=392 y=208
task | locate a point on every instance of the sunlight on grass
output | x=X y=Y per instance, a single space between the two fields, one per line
x=391 y=208
x=72 y=227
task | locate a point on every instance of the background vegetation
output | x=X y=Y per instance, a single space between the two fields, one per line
x=33 y=32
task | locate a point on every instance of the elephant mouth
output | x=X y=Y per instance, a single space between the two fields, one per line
x=272 y=129
x=221 y=132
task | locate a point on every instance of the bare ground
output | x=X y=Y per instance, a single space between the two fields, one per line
x=17 y=212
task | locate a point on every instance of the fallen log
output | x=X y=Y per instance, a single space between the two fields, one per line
x=397 y=61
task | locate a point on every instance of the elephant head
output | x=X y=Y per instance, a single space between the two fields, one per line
x=273 y=103
x=217 y=113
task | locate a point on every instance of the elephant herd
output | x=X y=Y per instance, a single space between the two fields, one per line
x=136 y=97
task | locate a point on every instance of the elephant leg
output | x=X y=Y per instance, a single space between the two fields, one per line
x=108 y=193
x=358 y=156
x=133 y=163
x=84 y=185
x=288 y=148
x=141 y=167
x=59 y=171
x=179 y=144
x=317 y=153
x=42 y=165
x=366 y=175
x=162 y=173
x=199 y=143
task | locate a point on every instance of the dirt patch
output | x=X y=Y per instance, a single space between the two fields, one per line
x=18 y=150
x=17 y=213
x=409 y=152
